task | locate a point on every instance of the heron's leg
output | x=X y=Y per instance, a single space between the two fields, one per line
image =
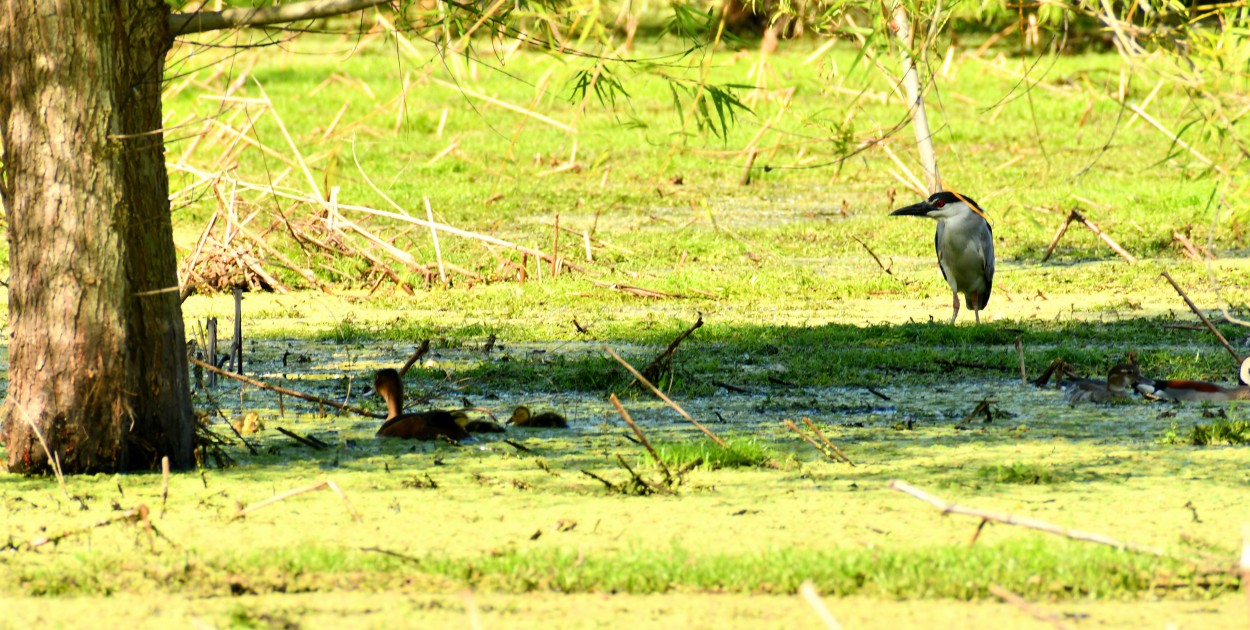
x=955 y=304
x=976 y=310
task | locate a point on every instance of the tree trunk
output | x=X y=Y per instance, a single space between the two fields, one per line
x=96 y=362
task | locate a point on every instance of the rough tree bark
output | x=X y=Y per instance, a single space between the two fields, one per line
x=96 y=358
x=96 y=362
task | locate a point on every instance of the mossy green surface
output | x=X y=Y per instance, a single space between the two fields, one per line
x=799 y=321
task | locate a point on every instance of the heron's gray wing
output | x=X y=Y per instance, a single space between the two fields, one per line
x=988 y=264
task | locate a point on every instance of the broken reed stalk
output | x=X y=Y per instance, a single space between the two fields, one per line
x=282 y=390
x=555 y=247
x=320 y=485
x=53 y=461
x=416 y=356
x=901 y=25
x=1019 y=521
x=808 y=591
x=745 y=180
x=1115 y=247
x=668 y=476
x=1058 y=235
x=1215 y=331
x=874 y=256
x=138 y=514
x=438 y=252
x=309 y=442
x=834 y=447
x=236 y=350
x=164 y=482
x=1024 y=605
x=653 y=368
x=1024 y=375
x=666 y=399
x=810 y=440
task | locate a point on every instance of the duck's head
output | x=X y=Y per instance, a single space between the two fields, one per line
x=388 y=385
x=519 y=415
x=1122 y=376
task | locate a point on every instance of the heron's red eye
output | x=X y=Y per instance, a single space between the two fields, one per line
x=939 y=203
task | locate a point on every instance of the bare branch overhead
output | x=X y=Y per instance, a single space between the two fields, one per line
x=201 y=21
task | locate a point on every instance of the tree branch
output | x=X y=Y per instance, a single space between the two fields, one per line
x=201 y=21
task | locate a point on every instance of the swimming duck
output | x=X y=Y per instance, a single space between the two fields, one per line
x=521 y=417
x=478 y=425
x=427 y=425
x=1117 y=386
x=1198 y=390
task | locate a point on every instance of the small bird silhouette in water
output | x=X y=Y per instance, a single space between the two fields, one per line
x=478 y=425
x=521 y=417
x=427 y=425
x=1119 y=382
x=1198 y=390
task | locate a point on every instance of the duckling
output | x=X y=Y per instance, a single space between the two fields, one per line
x=428 y=425
x=1119 y=380
x=1198 y=390
x=522 y=417
x=248 y=424
x=478 y=425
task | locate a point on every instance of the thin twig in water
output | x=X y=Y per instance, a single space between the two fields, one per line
x=1210 y=326
x=1020 y=521
x=874 y=256
x=808 y=591
x=320 y=485
x=810 y=440
x=138 y=514
x=309 y=442
x=416 y=356
x=653 y=369
x=668 y=476
x=54 y=462
x=283 y=390
x=833 y=447
x=164 y=483
x=666 y=399
x=1023 y=604
x=1024 y=375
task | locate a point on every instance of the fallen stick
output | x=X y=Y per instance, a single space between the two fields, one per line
x=874 y=256
x=1023 y=604
x=651 y=372
x=1115 y=247
x=808 y=591
x=1024 y=375
x=164 y=482
x=1019 y=521
x=1202 y=317
x=668 y=476
x=138 y=514
x=416 y=356
x=283 y=390
x=810 y=440
x=312 y=443
x=642 y=379
x=320 y=485
x=1058 y=235
x=834 y=447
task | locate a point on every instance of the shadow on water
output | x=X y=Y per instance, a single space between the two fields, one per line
x=883 y=393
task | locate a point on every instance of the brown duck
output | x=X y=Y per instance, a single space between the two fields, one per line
x=427 y=425
x=521 y=417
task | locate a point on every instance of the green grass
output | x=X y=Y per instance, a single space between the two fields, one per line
x=1016 y=472
x=737 y=453
x=1035 y=569
x=1221 y=431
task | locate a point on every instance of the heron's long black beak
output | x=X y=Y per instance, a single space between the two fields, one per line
x=916 y=210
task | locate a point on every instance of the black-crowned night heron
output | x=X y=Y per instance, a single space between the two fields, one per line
x=1117 y=387
x=1198 y=390
x=428 y=425
x=965 y=246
